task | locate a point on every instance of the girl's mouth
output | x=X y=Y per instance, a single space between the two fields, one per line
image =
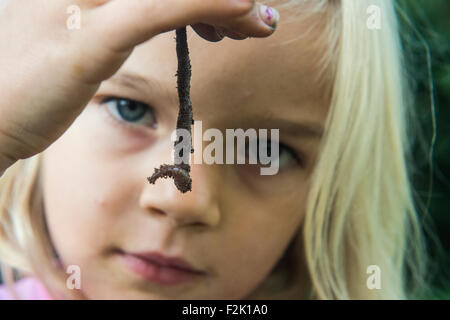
x=157 y=268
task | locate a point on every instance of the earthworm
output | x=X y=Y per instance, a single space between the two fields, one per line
x=180 y=172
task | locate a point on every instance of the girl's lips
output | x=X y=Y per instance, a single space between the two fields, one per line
x=157 y=268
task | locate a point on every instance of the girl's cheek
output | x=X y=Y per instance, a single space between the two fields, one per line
x=100 y=203
x=270 y=186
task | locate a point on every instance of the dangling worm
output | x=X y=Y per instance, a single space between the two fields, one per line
x=180 y=172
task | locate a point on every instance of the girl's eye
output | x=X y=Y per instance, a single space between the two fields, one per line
x=286 y=156
x=131 y=111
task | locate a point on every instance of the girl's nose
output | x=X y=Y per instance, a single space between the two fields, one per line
x=197 y=207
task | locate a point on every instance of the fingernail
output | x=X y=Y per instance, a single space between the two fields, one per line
x=270 y=16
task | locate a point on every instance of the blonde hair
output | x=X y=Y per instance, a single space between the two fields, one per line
x=360 y=209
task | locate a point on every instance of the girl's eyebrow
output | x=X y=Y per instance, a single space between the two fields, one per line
x=305 y=129
x=135 y=81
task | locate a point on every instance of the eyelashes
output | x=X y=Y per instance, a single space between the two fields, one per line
x=286 y=155
x=130 y=111
x=292 y=153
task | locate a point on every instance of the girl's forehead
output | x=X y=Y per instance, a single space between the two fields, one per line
x=283 y=67
x=293 y=47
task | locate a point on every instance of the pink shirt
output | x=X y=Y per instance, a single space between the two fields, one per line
x=26 y=289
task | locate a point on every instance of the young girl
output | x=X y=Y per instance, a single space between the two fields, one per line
x=87 y=114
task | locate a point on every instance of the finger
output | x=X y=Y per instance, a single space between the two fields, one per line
x=215 y=34
x=127 y=23
x=256 y=23
x=207 y=32
x=231 y=34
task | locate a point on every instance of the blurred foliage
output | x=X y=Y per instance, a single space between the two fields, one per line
x=425 y=25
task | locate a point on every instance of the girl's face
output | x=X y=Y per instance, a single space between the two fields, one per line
x=235 y=225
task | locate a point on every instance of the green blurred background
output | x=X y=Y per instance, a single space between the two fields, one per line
x=427 y=23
